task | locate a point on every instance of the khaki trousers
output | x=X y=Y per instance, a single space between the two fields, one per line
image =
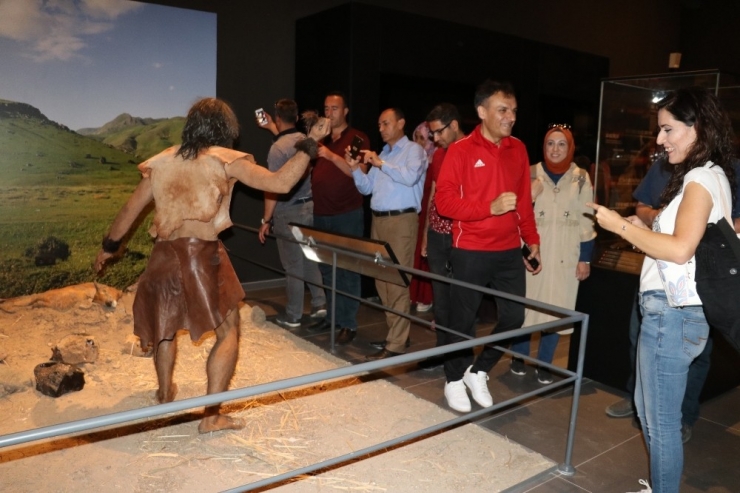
x=400 y=232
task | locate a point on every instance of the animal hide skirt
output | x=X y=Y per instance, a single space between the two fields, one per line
x=188 y=284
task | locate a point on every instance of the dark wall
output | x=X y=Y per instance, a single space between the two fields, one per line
x=257 y=59
x=389 y=70
x=709 y=35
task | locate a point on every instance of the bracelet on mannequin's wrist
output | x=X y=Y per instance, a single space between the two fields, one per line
x=111 y=246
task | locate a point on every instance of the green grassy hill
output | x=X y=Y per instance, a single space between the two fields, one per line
x=146 y=140
x=38 y=153
x=58 y=183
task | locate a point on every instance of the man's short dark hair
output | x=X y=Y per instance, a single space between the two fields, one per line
x=398 y=112
x=445 y=113
x=339 y=94
x=491 y=87
x=286 y=110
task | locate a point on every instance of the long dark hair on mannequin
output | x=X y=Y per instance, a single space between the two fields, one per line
x=210 y=122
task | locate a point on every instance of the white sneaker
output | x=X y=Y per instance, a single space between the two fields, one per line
x=647 y=488
x=476 y=382
x=422 y=307
x=457 y=396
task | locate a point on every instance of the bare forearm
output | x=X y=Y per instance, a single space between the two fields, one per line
x=646 y=213
x=658 y=245
x=270 y=203
x=432 y=189
x=678 y=247
x=340 y=163
x=141 y=197
x=282 y=181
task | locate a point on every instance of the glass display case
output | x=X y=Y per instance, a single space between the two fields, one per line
x=626 y=148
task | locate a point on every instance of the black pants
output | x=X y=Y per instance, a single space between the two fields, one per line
x=502 y=271
x=439 y=248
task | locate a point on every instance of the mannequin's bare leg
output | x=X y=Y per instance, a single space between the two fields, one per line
x=220 y=369
x=164 y=362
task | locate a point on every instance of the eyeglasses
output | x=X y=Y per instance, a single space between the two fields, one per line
x=559 y=125
x=432 y=133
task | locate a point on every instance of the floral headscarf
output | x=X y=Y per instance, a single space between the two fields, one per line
x=423 y=130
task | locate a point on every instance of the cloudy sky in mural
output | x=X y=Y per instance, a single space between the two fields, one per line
x=83 y=62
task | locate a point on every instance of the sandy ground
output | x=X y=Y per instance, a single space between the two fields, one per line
x=284 y=430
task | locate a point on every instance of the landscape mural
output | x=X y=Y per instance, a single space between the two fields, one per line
x=88 y=89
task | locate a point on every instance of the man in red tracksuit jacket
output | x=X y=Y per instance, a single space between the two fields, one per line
x=484 y=187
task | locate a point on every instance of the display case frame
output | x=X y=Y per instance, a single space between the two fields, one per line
x=626 y=146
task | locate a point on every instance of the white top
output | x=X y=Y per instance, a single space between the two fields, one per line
x=665 y=222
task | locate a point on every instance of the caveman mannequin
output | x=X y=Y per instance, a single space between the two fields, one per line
x=189 y=281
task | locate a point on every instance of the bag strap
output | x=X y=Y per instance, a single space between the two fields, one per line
x=723 y=198
x=726 y=227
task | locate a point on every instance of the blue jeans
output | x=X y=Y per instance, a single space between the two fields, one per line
x=297 y=266
x=670 y=339
x=350 y=223
x=546 y=351
x=698 y=371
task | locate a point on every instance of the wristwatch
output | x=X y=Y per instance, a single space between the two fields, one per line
x=266 y=221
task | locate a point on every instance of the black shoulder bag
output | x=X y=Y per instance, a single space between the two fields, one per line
x=718 y=276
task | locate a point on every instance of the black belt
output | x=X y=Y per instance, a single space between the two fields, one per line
x=303 y=200
x=394 y=213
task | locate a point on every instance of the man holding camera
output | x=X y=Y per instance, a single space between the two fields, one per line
x=338 y=209
x=396 y=181
x=293 y=207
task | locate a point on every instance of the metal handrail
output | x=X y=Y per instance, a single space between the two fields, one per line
x=570 y=316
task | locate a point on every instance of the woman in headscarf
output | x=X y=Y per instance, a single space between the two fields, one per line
x=421 y=288
x=560 y=190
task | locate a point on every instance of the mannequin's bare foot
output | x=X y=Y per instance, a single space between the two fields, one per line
x=220 y=422
x=169 y=398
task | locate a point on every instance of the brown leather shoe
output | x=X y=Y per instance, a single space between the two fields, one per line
x=381 y=344
x=382 y=354
x=345 y=336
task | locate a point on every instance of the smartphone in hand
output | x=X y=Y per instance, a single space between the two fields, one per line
x=354 y=148
x=261 y=117
x=526 y=252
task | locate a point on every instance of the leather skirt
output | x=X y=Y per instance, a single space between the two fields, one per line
x=189 y=284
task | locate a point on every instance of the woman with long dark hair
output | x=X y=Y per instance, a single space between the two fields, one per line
x=696 y=134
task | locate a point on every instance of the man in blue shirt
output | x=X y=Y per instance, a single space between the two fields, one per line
x=648 y=206
x=396 y=181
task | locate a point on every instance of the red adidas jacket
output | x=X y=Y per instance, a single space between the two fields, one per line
x=475 y=172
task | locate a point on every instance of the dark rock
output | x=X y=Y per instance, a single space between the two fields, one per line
x=54 y=378
x=45 y=259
